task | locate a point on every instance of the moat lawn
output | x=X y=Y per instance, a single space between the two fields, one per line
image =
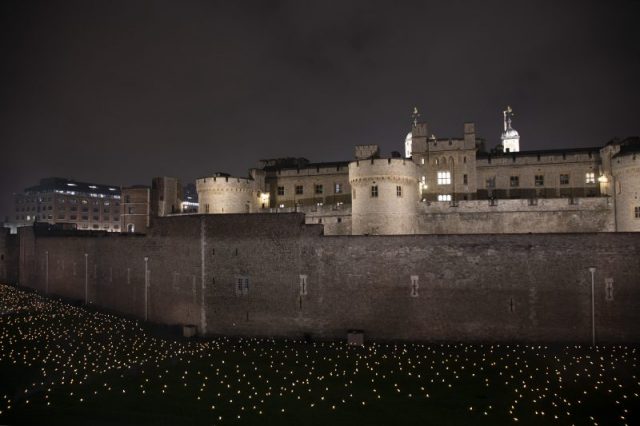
x=63 y=364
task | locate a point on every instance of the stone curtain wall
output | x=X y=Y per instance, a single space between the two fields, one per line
x=8 y=257
x=264 y=274
x=553 y=215
x=112 y=274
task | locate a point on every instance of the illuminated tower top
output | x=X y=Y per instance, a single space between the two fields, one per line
x=408 y=141
x=510 y=137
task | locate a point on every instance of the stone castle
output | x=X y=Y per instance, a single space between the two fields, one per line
x=448 y=243
x=445 y=186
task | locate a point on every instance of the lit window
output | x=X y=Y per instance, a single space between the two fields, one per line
x=338 y=188
x=422 y=161
x=444 y=178
x=444 y=197
x=398 y=191
x=281 y=190
x=374 y=191
x=590 y=177
x=539 y=180
x=564 y=179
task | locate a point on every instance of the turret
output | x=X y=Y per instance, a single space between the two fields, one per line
x=510 y=137
x=384 y=197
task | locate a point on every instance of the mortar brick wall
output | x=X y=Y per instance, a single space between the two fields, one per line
x=470 y=287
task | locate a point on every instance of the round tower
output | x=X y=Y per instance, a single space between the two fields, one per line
x=625 y=168
x=384 y=197
x=222 y=193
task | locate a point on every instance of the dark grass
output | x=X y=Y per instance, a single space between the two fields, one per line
x=108 y=354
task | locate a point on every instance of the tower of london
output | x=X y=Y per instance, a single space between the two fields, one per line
x=420 y=246
x=456 y=185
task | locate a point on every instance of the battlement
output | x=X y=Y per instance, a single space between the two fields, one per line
x=226 y=194
x=538 y=157
x=224 y=179
x=383 y=168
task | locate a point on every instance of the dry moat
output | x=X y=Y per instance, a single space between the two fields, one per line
x=65 y=364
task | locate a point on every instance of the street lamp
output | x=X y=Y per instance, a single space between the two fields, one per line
x=593 y=304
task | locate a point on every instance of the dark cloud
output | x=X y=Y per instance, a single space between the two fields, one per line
x=120 y=91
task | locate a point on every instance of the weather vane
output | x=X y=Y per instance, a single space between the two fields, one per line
x=415 y=116
x=508 y=114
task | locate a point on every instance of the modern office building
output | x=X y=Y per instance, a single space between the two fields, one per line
x=72 y=204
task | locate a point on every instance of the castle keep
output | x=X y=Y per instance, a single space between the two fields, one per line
x=446 y=186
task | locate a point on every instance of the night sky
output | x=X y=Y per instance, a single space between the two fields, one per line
x=117 y=92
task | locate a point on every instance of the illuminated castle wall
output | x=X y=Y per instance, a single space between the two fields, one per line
x=243 y=274
x=448 y=186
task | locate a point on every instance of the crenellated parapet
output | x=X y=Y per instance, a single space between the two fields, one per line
x=227 y=194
